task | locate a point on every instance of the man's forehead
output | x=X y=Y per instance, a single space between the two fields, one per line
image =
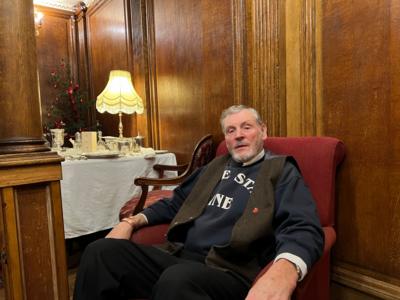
x=240 y=118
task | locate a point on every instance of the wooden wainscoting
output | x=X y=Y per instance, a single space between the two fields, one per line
x=363 y=284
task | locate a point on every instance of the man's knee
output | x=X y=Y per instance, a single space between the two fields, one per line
x=104 y=248
x=180 y=281
x=99 y=246
x=179 y=275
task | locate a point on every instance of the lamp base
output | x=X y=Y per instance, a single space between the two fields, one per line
x=120 y=126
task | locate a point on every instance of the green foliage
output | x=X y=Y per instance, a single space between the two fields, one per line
x=70 y=108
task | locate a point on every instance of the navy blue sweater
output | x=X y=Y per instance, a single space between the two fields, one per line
x=296 y=225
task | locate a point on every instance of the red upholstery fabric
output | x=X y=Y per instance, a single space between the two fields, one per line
x=318 y=158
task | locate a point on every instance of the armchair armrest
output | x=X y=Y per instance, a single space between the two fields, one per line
x=314 y=278
x=161 y=168
x=145 y=182
x=150 y=235
x=201 y=155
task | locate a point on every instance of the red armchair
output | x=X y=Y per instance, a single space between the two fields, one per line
x=318 y=158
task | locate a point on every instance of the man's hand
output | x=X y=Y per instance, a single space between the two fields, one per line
x=124 y=229
x=278 y=283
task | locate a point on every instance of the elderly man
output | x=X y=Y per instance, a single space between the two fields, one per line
x=228 y=220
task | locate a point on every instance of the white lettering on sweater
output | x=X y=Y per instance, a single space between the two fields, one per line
x=221 y=201
x=226 y=175
x=241 y=179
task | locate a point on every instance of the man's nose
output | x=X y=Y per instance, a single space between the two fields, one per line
x=239 y=134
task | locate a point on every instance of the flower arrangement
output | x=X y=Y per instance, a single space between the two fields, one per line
x=70 y=108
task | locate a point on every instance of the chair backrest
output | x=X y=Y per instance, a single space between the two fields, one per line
x=317 y=158
x=201 y=155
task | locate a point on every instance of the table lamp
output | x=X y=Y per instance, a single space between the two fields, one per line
x=119 y=96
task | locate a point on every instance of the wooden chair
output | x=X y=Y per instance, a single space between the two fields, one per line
x=201 y=155
x=318 y=159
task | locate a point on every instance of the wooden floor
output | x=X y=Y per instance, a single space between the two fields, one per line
x=71 y=282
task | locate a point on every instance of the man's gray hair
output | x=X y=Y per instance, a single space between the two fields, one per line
x=235 y=109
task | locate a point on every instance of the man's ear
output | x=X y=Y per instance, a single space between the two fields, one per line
x=264 y=131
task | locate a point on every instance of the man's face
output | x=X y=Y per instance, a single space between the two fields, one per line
x=243 y=135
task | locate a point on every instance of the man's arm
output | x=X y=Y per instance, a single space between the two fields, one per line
x=164 y=210
x=124 y=229
x=298 y=234
x=161 y=211
x=278 y=283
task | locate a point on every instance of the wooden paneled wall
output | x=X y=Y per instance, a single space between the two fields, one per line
x=109 y=48
x=361 y=105
x=193 y=51
x=310 y=67
x=190 y=60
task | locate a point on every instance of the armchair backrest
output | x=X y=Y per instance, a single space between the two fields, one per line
x=202 y=153
x=317 y=158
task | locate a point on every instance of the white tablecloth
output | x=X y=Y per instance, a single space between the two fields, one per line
x=94 y=190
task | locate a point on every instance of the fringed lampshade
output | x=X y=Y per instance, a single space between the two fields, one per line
x=119 y=96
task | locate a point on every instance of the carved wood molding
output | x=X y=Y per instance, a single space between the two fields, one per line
x=151 y=76
x=92 y=10
x=80 y=9
x=54 y=12
x=15 y=169
x=24 y=159
x=128 y=34
x=368 y=282
x=80 y=54
x=239 y=50
x=97 y=5
x=266 y=62
x=308 y=67
x=22 y=145
x=80 y=45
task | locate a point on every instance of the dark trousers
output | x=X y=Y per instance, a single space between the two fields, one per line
x=119 y=269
